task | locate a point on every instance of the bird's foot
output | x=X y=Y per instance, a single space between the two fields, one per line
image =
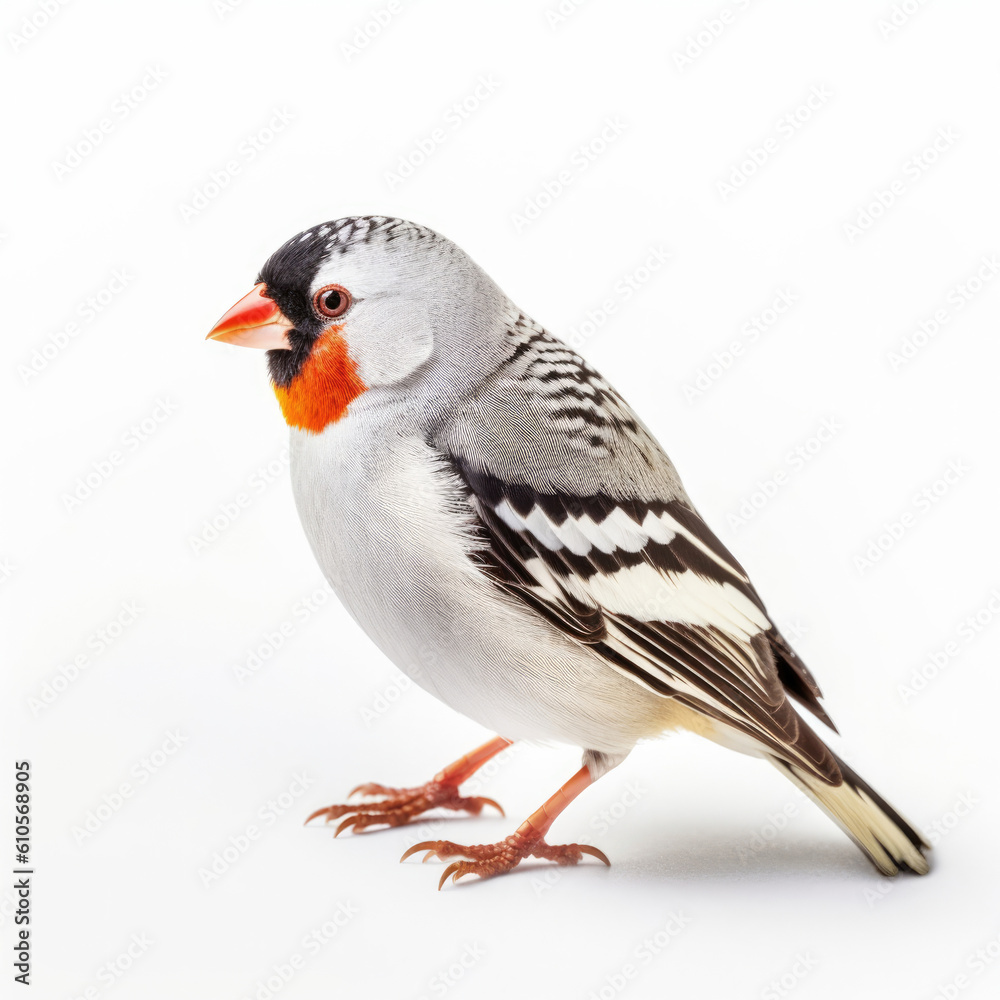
x=486 y=860
x=399 y=806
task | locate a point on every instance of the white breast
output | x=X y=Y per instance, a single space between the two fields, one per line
x=392 y=532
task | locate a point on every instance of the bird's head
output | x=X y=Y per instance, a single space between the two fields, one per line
x=364 y=303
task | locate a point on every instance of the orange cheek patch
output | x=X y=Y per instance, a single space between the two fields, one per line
x=324 y=387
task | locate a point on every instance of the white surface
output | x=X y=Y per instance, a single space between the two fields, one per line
x=685 y=843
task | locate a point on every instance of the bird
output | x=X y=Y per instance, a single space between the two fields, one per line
x=513 y=538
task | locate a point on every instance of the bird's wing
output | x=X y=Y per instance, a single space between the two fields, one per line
x=584 y=519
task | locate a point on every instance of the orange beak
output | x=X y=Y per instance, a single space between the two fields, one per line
x=255 y=321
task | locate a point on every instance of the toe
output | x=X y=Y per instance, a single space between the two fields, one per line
x=428 y=845
x=313 y=815
x=346 y=824
x=480 y=801
x=369 y=788
x=456 y=870
x=441 y=848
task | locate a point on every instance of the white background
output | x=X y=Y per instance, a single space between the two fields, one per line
x=694 y=838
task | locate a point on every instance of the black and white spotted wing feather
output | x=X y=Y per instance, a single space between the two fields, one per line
x=596 y=533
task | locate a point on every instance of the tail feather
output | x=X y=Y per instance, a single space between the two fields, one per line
x=889 y=841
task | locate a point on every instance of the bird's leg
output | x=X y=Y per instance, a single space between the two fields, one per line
x=528 y=840
x=400 y=805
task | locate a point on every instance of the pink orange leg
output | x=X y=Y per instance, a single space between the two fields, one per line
x=527 y=841
x=401 y=805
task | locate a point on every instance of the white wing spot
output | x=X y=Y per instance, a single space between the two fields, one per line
x=642 y=591
x=624 y=532
x=543 y=529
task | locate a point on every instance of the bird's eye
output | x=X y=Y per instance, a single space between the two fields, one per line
x=332 y=300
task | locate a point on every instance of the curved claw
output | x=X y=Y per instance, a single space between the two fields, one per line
x=349 y=822
x=333 y=812
x=455 y=871
x=399 y=805
x=425 y=845
x=318 y=812
x=594 y=852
